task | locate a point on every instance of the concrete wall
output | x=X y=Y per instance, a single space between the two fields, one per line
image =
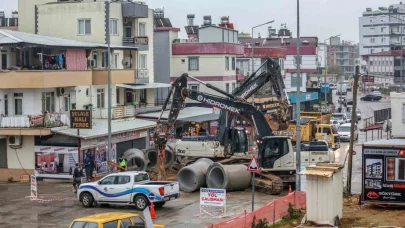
x=26 y=14
x=217 y=34
x=25 y=155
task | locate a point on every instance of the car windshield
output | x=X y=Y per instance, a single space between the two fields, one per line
x=344 y=129
x=337 y=117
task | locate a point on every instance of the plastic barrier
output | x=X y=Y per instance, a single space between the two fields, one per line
x=272 y=211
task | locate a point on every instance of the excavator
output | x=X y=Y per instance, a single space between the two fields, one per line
x=275 y=153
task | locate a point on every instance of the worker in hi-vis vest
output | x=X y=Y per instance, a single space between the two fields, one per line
x=122 y=162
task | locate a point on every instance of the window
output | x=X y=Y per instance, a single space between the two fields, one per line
x=108 y=181
x=116 y=58
x=84 y=26
x=67 y=103
x=233 y=63
x=117 y=95
x=84 y=225
x=226 y=63
x=382 y=29
x=125 y=223
x=113 y=27
x=100 y=98
x=6 y=105
x=95 y=59
x=227 y=87
x=87 y=92
x=371 y=19
x=383 y=40
x=193 y=63
x=403 y=112
x=18 y=103
x=194 y=87
x=48 y=102
x=372 y=40
x=104 y=59
x=112 y=224
x=371 y=51
x=143 y=96
x=142 y=29
x=123 y=179
x=233 y=86
x=142 y=62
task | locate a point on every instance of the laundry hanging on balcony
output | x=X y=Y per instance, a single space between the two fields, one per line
x=76 y=59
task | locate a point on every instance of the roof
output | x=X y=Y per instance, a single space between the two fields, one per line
x=100 y=128
x=323 y=170
x=9 y=37
x=276 y=42
x=197 y=114
x=106 y=217
x=387 y=53
x=386 y=143
x=144 y=86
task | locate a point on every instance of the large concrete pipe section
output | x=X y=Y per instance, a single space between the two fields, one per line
x=229 y=177
x=136 y=160
x=192 y=177
x=151 y=158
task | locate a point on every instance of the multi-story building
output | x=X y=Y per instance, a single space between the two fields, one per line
x=46 y=77
x=343 y=54
x=381 y=29
x=10 y=23
x=384 y=67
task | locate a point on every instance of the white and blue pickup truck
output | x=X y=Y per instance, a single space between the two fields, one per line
x=128 y=188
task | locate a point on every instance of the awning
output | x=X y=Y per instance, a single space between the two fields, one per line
x=189 y=114
x=144 y=86
x=100 y=128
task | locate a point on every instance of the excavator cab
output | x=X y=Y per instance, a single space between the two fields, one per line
x=238 y=140
x=274 y=152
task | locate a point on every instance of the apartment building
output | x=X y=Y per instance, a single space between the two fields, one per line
x=10 y=23
x=381 y=29
x=46 y=77
x=385 y=66
x=343 y=54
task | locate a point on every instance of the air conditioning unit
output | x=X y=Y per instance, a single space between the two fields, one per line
x=14 y=141
x=60 y=91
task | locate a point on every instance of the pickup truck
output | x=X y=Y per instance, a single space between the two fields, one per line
x=128 y=188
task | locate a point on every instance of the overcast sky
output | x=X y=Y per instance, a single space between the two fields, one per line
x=321 y=18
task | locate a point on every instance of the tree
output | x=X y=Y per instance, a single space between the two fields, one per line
x=335 y=70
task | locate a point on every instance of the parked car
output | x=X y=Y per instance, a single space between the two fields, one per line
x=111 y=219
x=371 y=97
x=349 y=88
x=377 y=93
x=358 y=114
x=344 y=132
x=349 y=117
x=337 y=119
x=128 y=188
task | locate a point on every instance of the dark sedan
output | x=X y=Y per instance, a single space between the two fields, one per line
x=371 y=97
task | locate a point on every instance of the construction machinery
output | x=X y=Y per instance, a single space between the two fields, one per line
x=275 y=153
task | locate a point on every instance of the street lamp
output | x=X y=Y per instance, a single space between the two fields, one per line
x=326 y=64
x=253 y=45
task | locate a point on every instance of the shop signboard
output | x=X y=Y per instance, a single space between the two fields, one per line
x=383 y=173
x=116 y=138
x=80 y=119
x=55 y=161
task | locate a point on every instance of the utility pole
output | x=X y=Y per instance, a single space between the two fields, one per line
x=109 y=108
x=298 y=108
x=350 y=161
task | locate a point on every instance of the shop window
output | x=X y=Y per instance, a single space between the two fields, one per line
x=100 y=98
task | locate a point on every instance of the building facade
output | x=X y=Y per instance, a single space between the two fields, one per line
x=342 y=54
x=381 y=29
x=10 y=23
x=385 y=67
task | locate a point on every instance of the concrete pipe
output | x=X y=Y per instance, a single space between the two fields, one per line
x=151 y=158
x=229 y=177
x=192 y=177
x=136 y=160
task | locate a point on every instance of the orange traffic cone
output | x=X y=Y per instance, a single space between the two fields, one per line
x=95 y=178
x=152 y=211
x=289 y=189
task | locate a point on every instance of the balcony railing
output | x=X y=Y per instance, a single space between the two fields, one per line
x=118 y=112
x=47 y=120
x=137 y=40
x=142 y=73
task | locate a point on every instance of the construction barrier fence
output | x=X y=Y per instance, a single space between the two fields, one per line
x=272 y=211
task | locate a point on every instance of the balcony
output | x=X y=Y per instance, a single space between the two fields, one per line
x=142 y=76
x=32 y=124
x=22 y=79
x=118 y=112
x=142 y=42
x=132 y=9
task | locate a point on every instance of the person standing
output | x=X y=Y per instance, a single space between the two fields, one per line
x=122 y=162
x=77 y=177
x=88 y=165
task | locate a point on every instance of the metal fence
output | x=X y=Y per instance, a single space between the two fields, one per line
x=382 y=115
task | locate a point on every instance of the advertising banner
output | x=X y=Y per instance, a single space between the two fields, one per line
x=34 y=192
x=383 y=175
x=55 y=161
x=212 y=197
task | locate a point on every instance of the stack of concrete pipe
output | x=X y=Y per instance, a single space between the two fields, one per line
x=136 y=160
x=151 y=158
x=192 y=177
x=230 y=177
x=205 y=172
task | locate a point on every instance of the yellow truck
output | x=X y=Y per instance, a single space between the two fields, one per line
x=314 y=125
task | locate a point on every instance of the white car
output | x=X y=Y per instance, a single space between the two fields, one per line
x=344 y=132
x=128 y=188
x=377 y=93
x=338 y=119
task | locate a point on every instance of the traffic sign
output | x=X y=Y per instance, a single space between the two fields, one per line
x=254 y=165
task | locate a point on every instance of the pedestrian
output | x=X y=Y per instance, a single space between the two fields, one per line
x=88 y=165
x=122 y=162
x=77 y=177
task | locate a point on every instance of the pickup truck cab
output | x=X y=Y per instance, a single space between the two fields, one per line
x=128 y=188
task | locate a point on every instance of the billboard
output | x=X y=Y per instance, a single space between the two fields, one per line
x=383 y=175
x=55 y=161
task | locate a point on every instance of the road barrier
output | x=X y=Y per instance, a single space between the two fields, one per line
x=273 y=211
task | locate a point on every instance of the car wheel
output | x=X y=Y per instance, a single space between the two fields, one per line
x=141 y=202
x=159 y=204
x=87 y=199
